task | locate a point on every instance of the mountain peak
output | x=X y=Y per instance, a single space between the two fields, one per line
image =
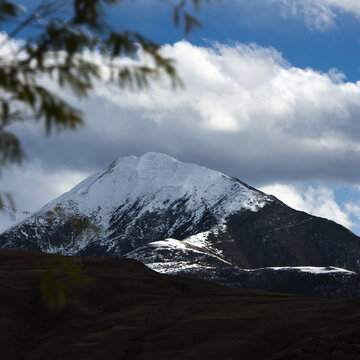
x=156 y=156
x=155 y=163
x=147 y=158
x=151 y=197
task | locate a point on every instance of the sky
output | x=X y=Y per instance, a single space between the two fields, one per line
x=271 y=96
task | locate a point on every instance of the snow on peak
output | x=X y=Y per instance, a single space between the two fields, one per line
x=155 y=181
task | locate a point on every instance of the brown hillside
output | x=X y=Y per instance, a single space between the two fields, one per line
x=119 y=309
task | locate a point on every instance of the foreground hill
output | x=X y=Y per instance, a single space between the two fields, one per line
x=184 y=218
x=123 y=310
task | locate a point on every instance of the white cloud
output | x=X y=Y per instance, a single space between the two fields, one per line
x=245 y=104
x=353 y=209
x=317 y=14
x=31 y=187
x=352 y=6
x=245 y=111
x=319 y=201
x=236 y=88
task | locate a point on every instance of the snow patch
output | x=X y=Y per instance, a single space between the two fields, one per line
x=172 y=244
x=175 y=267
x=310 y=269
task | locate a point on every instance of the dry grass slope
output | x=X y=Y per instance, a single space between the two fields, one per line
x=122 y=310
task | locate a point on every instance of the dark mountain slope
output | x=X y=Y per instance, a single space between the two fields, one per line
x=122 y=310
x=279 y=236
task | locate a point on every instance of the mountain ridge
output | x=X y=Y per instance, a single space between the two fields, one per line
x=166 y=213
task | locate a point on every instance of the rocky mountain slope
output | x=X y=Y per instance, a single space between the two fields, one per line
x=184 y=218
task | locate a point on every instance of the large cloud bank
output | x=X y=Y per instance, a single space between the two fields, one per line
x=245 y=111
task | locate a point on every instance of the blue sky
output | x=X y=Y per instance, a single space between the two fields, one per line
x=265 y=22
x=271 y=97
x=270 y=23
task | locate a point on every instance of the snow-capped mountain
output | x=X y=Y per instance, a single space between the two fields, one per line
x=132 y=202
x=184 y=218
